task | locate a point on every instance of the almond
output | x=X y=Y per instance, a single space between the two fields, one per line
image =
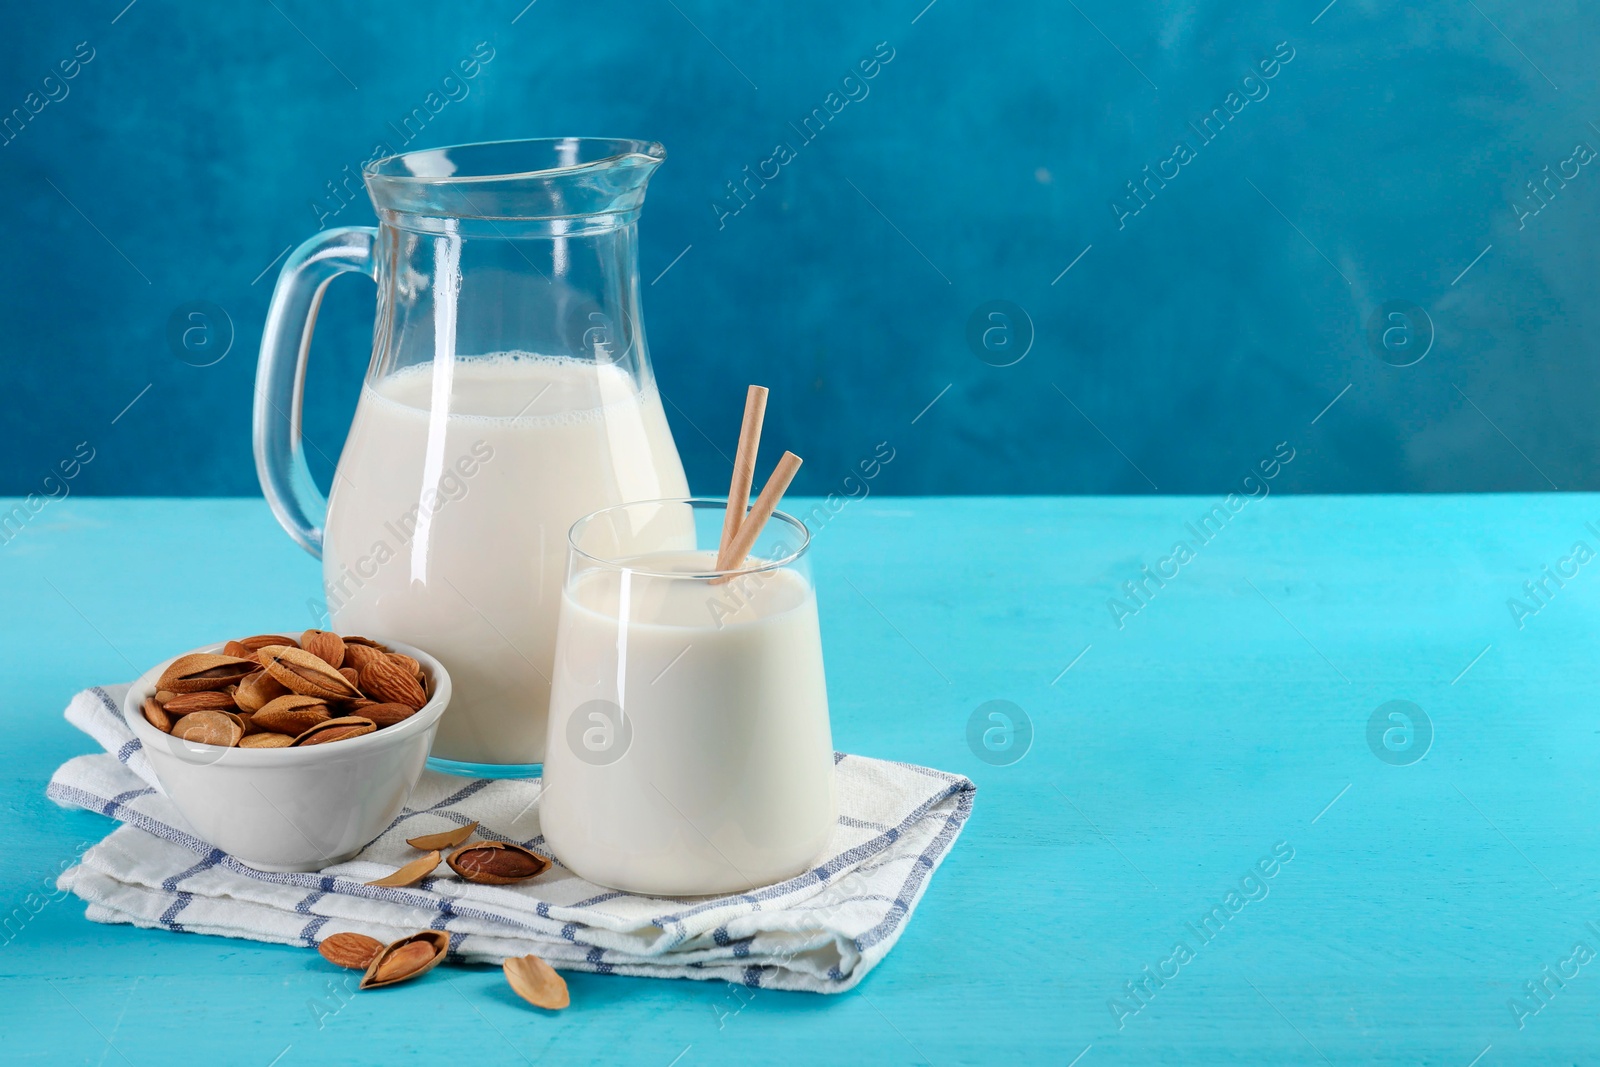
x=303 y=673
x=155 y=716
x=384 y=714
x=447 y=839
x=257 y=690
x=336 y=730
x=359 y=656
x=329 y=648
x=209 y=728
x=266 y=740
x=184 y=703
x=351 y=675
x=201 y=671
x=392 y=682
x=411 y=873
x=292 y=714
x=356 y=951
x=406 y=958
x=234 y=648
x=536 y=981
x=365 y=641
x=408 y=663
x=497 y=863
x=260 y=641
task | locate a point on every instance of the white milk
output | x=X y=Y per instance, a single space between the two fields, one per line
x=726 y=782
x=447 y=524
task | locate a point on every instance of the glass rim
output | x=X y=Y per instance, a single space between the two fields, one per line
x=692 y=502
x=624 y=148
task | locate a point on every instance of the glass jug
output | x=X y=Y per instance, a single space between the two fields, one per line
x=509 y=393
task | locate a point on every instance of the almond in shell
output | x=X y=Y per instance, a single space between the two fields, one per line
x=260 y=641
x=391 y=682
x=335 y=730
x=201 y=671
x=209 y=728
x=257 y=690
x=266 y=740
x=406 y=958
x=303 y=673
x=291 y=714
x=355 y=951
x=497 y=863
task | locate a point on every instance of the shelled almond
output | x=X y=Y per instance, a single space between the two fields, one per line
x=278 y=691
x=355 y=951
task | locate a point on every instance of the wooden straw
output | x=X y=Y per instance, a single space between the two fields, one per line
x=765 y=505
x=744 y=470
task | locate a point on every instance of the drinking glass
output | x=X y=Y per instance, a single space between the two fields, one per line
x=689 y=750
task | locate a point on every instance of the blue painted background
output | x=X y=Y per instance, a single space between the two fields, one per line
x=1388 y=156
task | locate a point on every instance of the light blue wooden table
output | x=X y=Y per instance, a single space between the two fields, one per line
x=1227 y=719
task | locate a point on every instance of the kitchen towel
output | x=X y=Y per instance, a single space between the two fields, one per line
x=821 y=931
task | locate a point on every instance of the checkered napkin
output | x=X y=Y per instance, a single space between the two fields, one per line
x=820 y=932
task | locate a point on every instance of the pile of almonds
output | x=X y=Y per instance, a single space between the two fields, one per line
x=531 y=978
x=273 y=691
x=485 y=862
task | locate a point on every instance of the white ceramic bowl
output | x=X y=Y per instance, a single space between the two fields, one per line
x=292 y=809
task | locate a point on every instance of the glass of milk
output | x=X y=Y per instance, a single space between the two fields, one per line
x=688 y=749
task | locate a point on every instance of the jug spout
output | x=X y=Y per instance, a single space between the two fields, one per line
x=511 y=181
x=512 y=246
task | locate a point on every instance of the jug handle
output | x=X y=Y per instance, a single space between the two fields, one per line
x=296 y=502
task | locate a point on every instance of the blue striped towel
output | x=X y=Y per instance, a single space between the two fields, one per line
x=820 y=932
